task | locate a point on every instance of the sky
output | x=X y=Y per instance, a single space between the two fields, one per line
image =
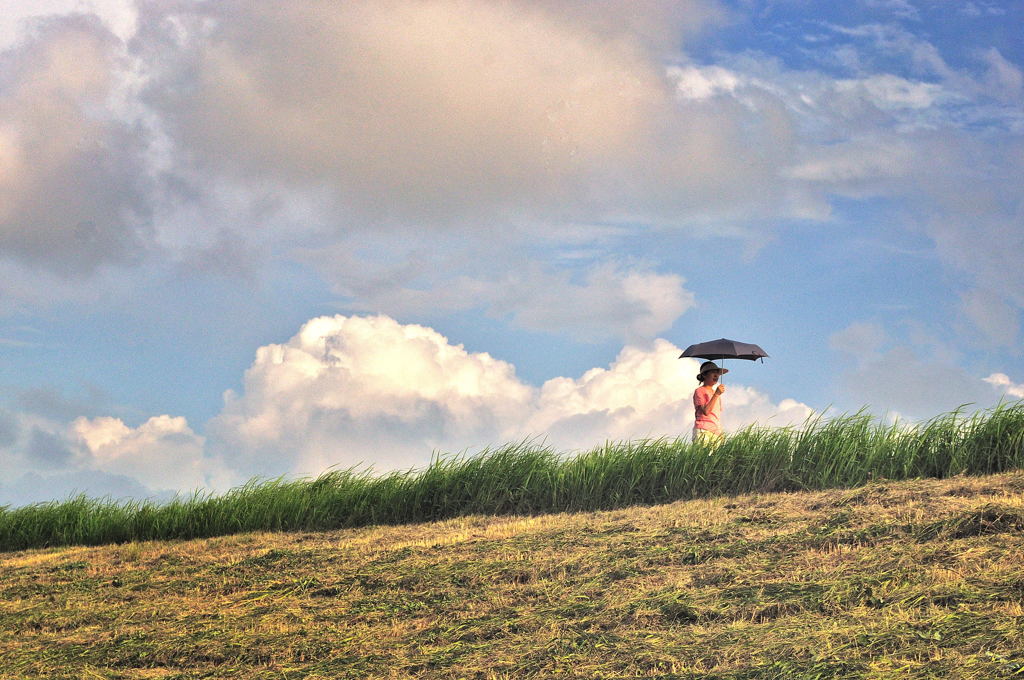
x=249 y=239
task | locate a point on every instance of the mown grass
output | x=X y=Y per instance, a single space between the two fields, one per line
x=916 y=579
x=527 y=478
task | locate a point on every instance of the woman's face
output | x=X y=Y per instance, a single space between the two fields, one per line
x=711 y=377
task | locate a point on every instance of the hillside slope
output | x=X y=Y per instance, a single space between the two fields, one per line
x=917 y=579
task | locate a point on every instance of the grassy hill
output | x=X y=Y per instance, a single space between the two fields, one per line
x=912 y=579
x=531 y=479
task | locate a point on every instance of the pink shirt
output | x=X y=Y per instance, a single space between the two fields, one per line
x=701 y=396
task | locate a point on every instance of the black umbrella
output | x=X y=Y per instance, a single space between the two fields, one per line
x=724 y=349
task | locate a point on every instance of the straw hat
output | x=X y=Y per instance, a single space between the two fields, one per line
x=708 y=366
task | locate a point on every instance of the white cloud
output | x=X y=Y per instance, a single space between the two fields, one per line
x=894 y=40
x=1002 y=383
x=997 y=78
x=890 y=92
x=899 y=8
x=118 y=15
x=941 y=144
x=693 y=82
x=855 y=165
x=46 y=458
x=629 y=305
x=445 y=112
x=365 y=391
x=977 y=9
x=33 y=449
x=347 y=390
x=161 y=453
x=1004 y=79
x=577 y=289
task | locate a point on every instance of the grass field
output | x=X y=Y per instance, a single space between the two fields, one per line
x=527 y=478
x=911 y=579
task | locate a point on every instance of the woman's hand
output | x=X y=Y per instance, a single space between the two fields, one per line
x=720 y=389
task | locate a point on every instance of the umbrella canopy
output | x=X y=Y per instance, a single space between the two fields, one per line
x=724 y=349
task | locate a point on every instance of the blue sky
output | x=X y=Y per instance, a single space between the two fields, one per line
x=244 y=239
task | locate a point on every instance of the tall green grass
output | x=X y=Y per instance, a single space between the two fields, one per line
x=526 y=478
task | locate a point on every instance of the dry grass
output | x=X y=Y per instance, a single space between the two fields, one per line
x=918 y=579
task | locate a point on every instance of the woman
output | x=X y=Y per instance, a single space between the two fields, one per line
x=707 y=405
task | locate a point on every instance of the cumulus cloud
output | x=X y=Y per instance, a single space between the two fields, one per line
x=364 y=391
x=370 y=391
x=73 y=187
x=161 y=453
x=349 y=390
x=47 y=458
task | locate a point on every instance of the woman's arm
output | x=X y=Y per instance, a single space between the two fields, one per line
x=714 y=397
